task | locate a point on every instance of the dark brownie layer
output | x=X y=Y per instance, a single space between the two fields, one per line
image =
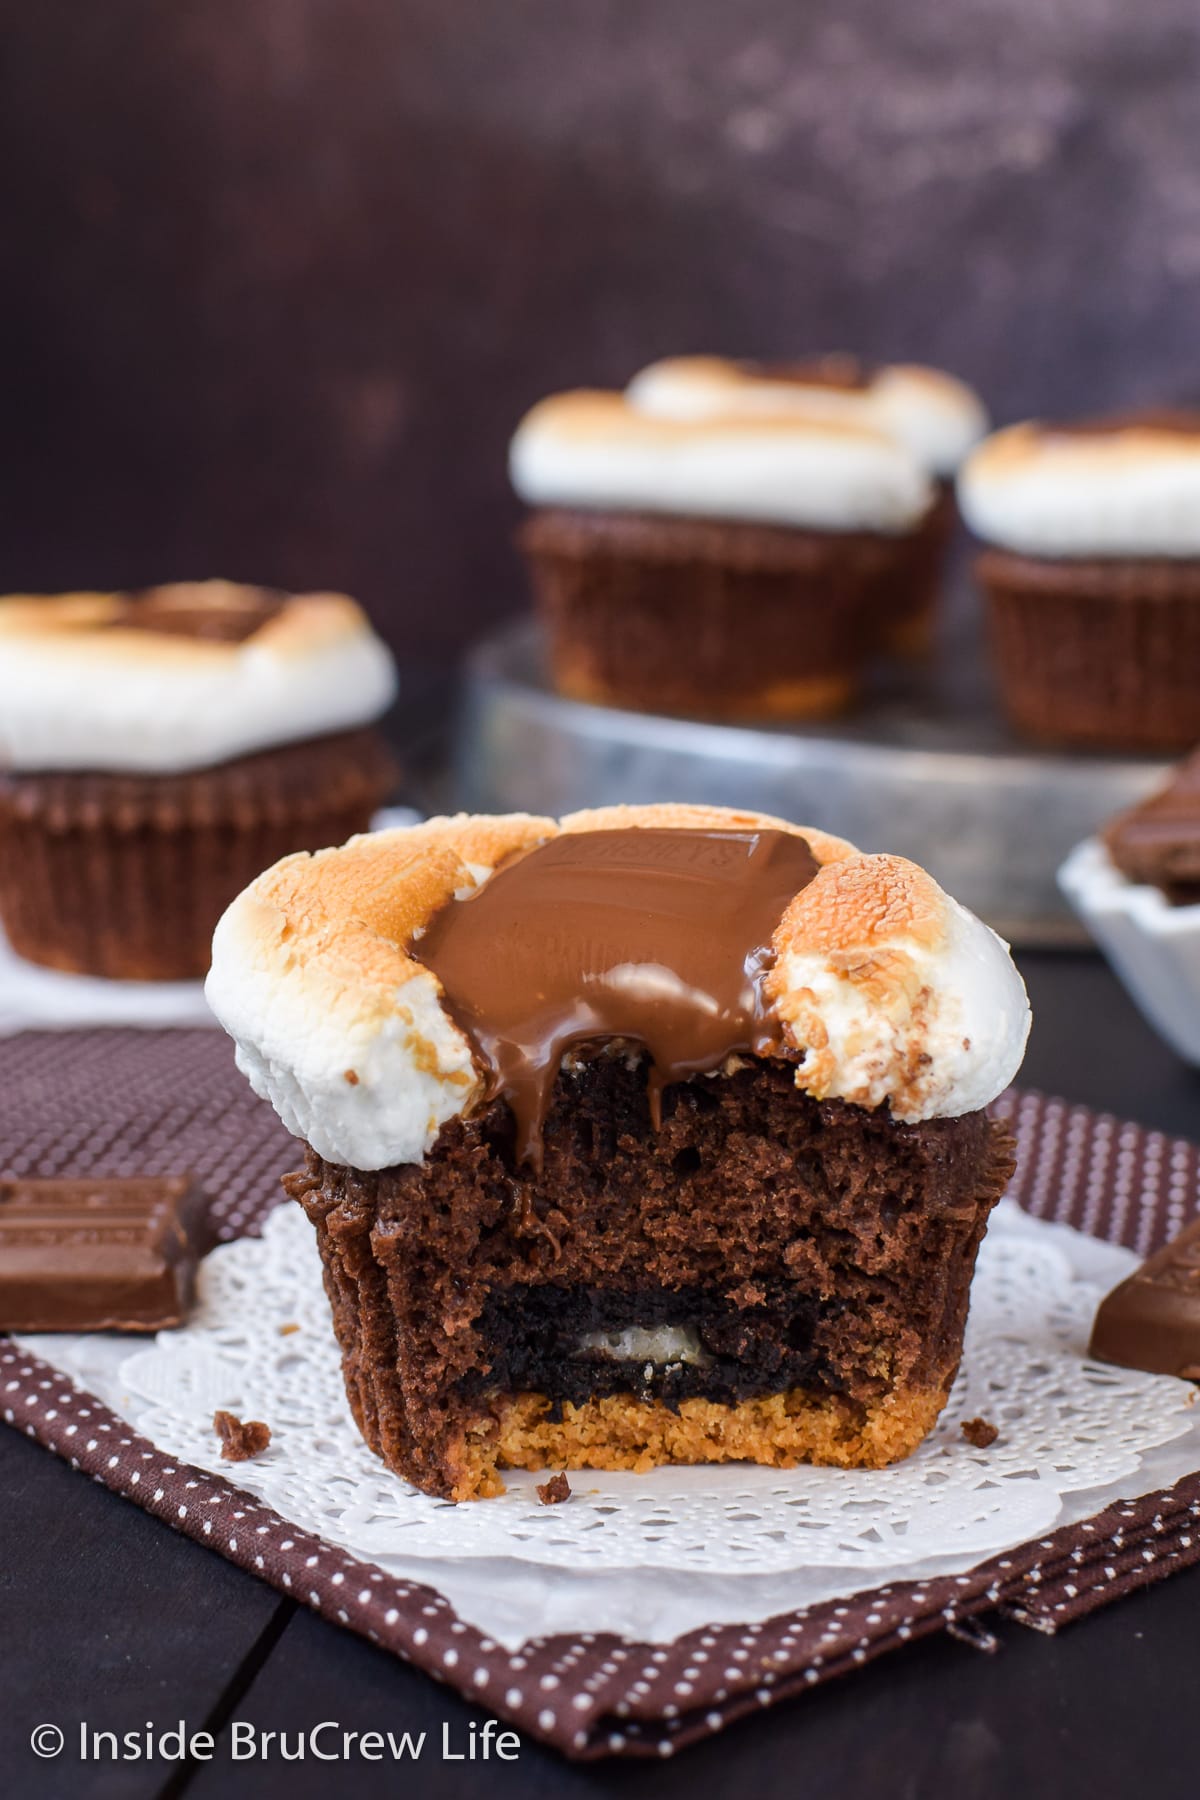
x=853 y=1233
x=534 y=1340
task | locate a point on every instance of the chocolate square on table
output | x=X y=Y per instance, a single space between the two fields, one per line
x=1152 y=1320
x=98 y=1253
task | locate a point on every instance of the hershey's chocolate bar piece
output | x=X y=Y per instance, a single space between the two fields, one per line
x=97 y=1254
x=1152 y=1321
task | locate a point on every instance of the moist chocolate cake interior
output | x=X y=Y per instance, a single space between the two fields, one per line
x=788 y=1244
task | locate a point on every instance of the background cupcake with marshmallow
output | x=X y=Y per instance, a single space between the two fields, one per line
x=1092 y=576
x=732 y=564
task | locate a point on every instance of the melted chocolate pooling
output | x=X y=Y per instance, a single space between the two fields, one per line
x=659 y=938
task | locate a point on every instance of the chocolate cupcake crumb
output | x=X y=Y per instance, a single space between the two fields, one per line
x=240 y=1440
x=979 y=1433
x=554 y=1491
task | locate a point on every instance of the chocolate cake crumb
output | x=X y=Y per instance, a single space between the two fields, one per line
x=239 y=1442
x=979 y=1433
x=552 y=1492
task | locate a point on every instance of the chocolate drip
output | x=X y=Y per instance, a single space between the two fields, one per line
x=658 y=938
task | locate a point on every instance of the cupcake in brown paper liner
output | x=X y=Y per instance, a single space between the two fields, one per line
x=937 y=417
x=1091 y=573
x=158 y=750
x=734 y=567
x=657 y=1135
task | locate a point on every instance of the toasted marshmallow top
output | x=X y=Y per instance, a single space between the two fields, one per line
x=894 y=993
x=595 y=449
x=1128 y=489
x=936 y=416
x=87 y=683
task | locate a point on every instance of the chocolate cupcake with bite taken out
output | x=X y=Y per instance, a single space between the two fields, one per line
x=721 y=567
x=1092 y=577
x=654 y=1136
x=158 y=749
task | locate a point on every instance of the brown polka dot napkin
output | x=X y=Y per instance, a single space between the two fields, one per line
x=118 y=1102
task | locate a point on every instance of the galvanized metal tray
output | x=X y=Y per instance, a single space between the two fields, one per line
x=927 y=769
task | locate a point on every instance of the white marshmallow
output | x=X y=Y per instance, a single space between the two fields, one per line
x=944 y=1039
x=76 y=693
x=1133 y=492
x=936 y=416
x=595 y=450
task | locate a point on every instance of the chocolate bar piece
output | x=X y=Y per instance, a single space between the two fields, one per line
x=1157 y=842
x=97 y=1255
x=1152 y=1321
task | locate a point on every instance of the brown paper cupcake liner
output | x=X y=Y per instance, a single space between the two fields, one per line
x=125 y=876
x=718 y=618
x=1097 y=653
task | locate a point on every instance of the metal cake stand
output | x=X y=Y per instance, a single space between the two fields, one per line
x=927 y=769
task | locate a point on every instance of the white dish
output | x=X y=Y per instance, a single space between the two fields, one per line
x=1153 y=946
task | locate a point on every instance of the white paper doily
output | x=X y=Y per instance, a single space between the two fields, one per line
x=1065 y=1424
x=658 y=1554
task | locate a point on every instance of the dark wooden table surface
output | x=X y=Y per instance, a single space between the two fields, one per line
x=108 y=1617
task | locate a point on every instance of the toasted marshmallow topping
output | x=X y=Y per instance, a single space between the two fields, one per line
x=594 y=449
x=1125 y=490
x=893 y=993
x=900 y=995
x=934 y=415
x=182 y=677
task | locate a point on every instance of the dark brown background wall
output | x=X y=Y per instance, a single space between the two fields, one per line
x=276 y=276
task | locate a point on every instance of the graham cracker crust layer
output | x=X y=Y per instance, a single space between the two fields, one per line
x=618 y=1432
